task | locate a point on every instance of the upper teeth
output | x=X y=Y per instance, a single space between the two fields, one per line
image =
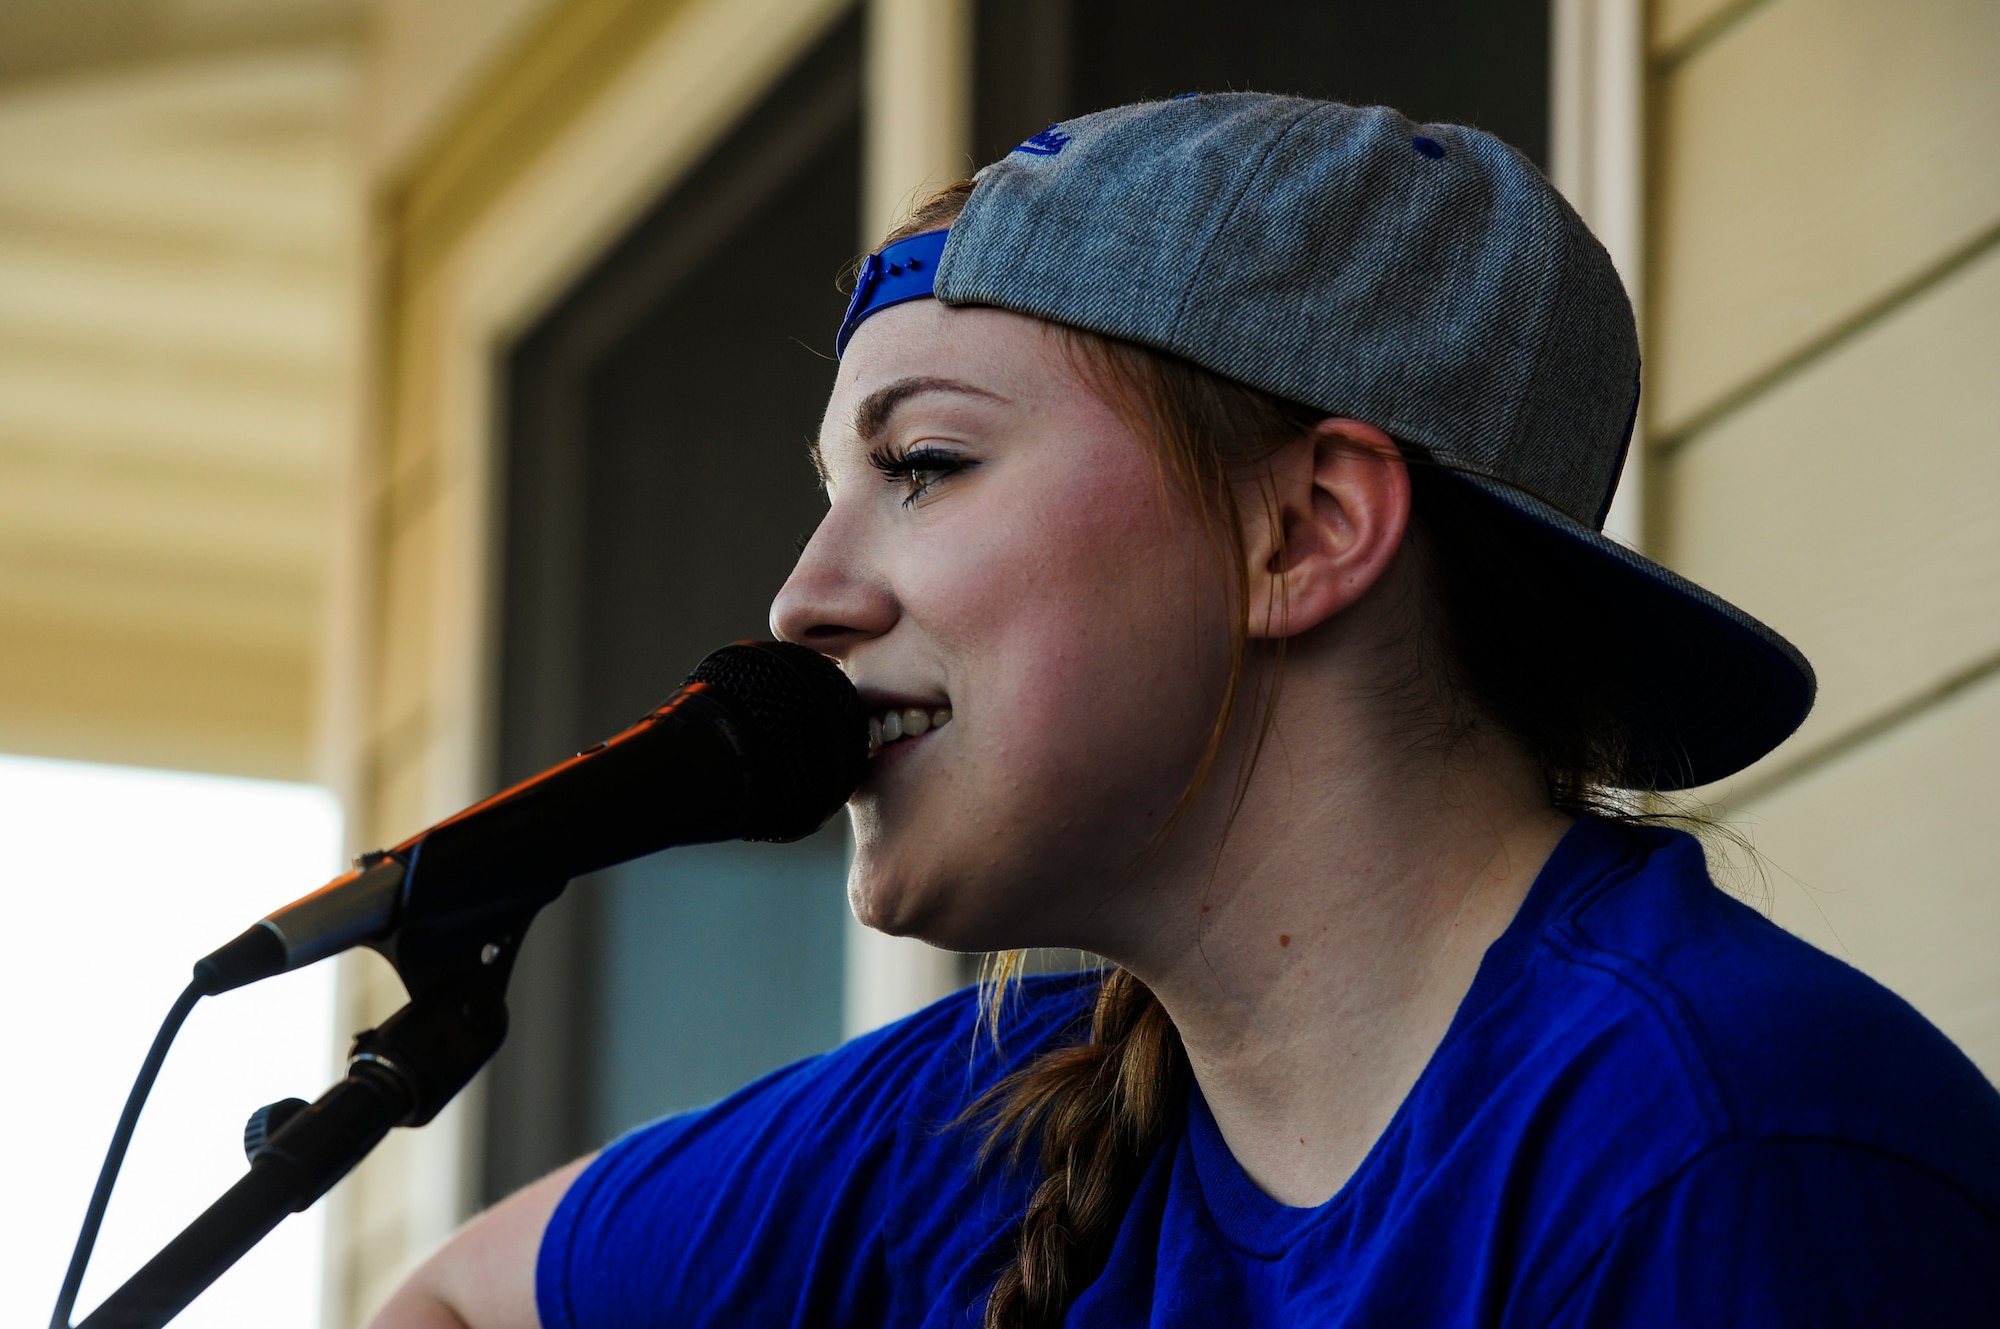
x=908 y=722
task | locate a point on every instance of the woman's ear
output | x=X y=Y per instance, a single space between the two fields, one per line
x=1326 y=526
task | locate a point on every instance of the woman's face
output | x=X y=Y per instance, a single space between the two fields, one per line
x=1001 y=546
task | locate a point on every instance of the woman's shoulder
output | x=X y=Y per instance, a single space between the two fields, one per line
x=1645 y=1056
x=1764 y=1036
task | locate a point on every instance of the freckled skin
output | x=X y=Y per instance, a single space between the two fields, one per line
x=1053 y=593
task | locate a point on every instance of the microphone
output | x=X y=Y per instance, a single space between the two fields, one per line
x=764 y=741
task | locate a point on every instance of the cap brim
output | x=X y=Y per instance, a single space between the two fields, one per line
x=1704 y=688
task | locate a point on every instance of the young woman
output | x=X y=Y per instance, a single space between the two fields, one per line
x=1215 y=491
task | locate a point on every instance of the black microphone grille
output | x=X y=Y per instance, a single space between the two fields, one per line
x=812 y=732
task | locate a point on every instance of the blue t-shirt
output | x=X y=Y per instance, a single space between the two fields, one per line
x=1653 y=1108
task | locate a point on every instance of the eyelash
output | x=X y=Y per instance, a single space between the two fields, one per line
x=904 y=467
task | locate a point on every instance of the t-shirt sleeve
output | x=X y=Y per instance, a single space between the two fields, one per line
x=765 y=1208
x=837 y=1191
x=1805 y=1232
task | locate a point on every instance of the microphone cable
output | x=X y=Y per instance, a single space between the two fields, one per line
x=114 y=1157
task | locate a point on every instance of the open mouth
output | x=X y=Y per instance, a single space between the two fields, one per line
x=899 y=724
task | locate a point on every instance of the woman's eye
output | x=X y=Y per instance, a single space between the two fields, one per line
x=916 y=470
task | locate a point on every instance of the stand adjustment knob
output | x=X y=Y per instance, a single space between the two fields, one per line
x=267 y=1121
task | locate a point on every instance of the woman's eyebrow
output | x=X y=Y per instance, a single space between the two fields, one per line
x=871 y=417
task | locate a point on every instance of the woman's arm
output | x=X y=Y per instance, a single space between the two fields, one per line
x=484 y=1277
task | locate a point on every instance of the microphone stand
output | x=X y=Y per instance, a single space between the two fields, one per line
x=468 y=889
x=399 y=1074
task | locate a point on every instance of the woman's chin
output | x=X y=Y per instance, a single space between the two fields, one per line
x=887 y=903
x=920 y=908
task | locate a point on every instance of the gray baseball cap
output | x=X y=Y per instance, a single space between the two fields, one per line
x=1424 y=278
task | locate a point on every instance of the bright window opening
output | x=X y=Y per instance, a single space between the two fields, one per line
x=115 y=882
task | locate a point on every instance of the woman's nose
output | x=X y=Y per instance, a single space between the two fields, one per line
x=831 y=602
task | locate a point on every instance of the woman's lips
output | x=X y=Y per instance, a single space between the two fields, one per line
x=893 y=755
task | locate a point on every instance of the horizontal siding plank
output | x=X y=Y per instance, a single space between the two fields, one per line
x=201 y=518
x=291 y=318
x=1856 y=507
x=1891 y=860
x=1816 y=157
x=141 y=699
x=221 y=612
x=246 y=152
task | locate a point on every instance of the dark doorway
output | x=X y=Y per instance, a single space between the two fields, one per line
x=656 y=488
x=1477 y=62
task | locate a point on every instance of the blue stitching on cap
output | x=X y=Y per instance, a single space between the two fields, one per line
x=1183 y=96
x=1430 y=147
x=1045 y=144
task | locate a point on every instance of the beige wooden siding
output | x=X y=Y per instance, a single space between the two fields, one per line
x=177 y=284
x=1824 y=410
x=1857 y=505
x=1888 y=861
x=1817 y=157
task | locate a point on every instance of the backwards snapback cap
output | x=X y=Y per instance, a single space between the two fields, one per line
x=1425 y=279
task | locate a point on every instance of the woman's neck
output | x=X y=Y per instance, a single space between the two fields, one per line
x=1316 y=969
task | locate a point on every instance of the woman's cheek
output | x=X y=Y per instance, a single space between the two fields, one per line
x=1056 y=603
x=1084 y=675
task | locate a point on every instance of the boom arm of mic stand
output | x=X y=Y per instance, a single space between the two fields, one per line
x=401 y=1074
